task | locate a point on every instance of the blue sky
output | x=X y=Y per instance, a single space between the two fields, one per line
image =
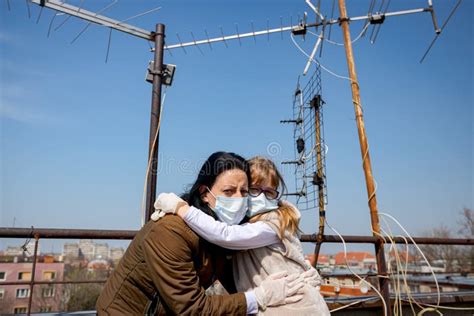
x=74 y=130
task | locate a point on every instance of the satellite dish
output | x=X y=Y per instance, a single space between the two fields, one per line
x=364 y=288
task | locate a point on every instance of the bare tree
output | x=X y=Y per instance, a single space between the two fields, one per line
x=448 y=254
x=80 y=297
x=466 y=230
x=455 y=258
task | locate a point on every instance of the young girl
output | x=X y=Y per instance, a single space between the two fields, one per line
x=269 y=240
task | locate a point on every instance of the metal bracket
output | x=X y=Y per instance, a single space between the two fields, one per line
x=299 y=30
x=292 y=162
x=317 y=180
x=297 y=121
x=316 y=102
x=167 y=73
x=376 y=18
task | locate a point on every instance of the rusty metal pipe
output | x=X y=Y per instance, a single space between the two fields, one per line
x=54 y=282
x=373 y=240
x=33 y=273
x=56 y=233
x=321 y=177
x=60 y=233
x=152 y=164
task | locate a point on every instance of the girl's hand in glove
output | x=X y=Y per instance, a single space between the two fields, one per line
x=312 y=277
x=278 y=289
x=167 y=203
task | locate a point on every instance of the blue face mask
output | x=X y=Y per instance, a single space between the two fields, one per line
x=230 y=210
x=260 y=204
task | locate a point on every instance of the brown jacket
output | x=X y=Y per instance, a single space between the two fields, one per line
x=166 y=262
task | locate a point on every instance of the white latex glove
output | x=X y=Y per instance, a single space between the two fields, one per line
x=166 y=203
x=312 y=277
x=157 y=214
x=278 y=289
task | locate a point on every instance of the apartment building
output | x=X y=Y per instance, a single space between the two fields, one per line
x=14 y=297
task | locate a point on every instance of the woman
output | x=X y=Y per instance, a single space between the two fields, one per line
x=270 y=237
x=167 y=267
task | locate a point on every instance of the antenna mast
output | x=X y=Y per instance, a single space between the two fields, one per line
x=152 y=167
x=364 y=148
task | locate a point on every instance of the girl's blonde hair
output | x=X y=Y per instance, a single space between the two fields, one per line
x=262 y=170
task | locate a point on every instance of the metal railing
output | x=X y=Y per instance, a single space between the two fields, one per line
x=57 y=233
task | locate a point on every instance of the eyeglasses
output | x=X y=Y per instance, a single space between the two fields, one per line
x=270 y=193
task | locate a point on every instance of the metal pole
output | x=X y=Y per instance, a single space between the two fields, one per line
x=93 y=17
x=55 y=233
x=281 y=29
x=33 y=273
x=320 y=177
x=364 y=147
x=154 y=121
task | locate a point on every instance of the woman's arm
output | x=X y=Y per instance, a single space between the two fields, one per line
x=169 y=250
x=237 y=237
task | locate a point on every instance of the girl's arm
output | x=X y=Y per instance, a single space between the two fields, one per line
x=237 y=237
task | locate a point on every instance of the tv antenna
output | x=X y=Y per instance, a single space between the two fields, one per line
x=160 y=74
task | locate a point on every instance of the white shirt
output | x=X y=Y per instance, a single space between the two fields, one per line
x=236 y=237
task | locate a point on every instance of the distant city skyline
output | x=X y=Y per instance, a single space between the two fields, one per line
x=87 y=248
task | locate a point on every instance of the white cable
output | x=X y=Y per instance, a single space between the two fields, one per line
x=397 y=302
x=398 y=298
x=316 y=62
x=430 y=307
x=342 y=44
x=312 y=151
x=326 y=69
x=391 y=271
x=421 y=252
x=432 y=271
x=404 y=271
x=142 y=205
x=352 y=271
x=330 y=72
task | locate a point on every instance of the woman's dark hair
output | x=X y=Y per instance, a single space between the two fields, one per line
x=216 y=164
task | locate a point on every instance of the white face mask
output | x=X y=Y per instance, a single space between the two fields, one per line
x=260 y=204
x=230 y=210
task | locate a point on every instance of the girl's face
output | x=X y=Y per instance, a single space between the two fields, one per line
x=230 y=183
x=265 y=185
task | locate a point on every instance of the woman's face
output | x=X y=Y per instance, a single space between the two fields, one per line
x=230 y=183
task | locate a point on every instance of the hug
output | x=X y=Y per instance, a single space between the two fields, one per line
x=232 y=227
